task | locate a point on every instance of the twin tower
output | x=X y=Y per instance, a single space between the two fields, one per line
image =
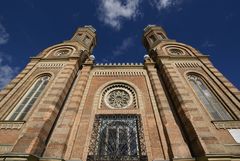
x=176 y=106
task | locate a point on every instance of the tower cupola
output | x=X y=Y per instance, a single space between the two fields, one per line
x=86 y=36
x=153 y=35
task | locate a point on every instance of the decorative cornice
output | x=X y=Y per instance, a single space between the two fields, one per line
x=118 y=73
x=119 y=64
x=51 y=65
x=227 y=124
x=5 y=148
x=19 y=156
x=187 y=65
x=11 y=124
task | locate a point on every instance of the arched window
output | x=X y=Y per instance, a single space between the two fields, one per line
x=208 y=99
x=28 y=99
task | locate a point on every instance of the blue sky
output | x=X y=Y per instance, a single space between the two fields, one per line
x=29 y=26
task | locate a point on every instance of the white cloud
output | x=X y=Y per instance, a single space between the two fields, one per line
x=120 y=50
x=113 y=12
x=4 y=36
x=6 y=71
x=164 y=4
x=125 y=45
x=208 y=44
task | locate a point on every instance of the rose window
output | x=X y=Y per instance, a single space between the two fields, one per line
x=119 y=96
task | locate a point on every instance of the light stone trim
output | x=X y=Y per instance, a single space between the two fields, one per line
x=50 y=65
x=122 y=111
x=230 y=124
x=187 y=65
x=119 y=64
x=118 y=73
x=11 y=124
x=5 y=148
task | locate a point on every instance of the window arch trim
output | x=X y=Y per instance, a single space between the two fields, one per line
x=188 y=52
x=191 y=51
x=49 y=51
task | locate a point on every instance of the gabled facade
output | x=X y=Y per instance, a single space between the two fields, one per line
x=174 y=106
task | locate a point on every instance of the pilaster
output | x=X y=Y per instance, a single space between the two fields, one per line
x=33 y=138
x=58 y=141
x=200 y=137
x=173 y=135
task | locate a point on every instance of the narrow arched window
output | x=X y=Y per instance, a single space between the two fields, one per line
x=208 y=99
x=28 y=99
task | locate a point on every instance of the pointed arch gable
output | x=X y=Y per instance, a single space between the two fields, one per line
x=72 y=46
x=165 y=46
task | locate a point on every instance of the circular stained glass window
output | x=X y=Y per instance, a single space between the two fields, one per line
x=118 y=98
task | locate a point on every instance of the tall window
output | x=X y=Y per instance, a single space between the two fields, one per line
x=117 y=137
x=28 y=99
x=209 y=100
